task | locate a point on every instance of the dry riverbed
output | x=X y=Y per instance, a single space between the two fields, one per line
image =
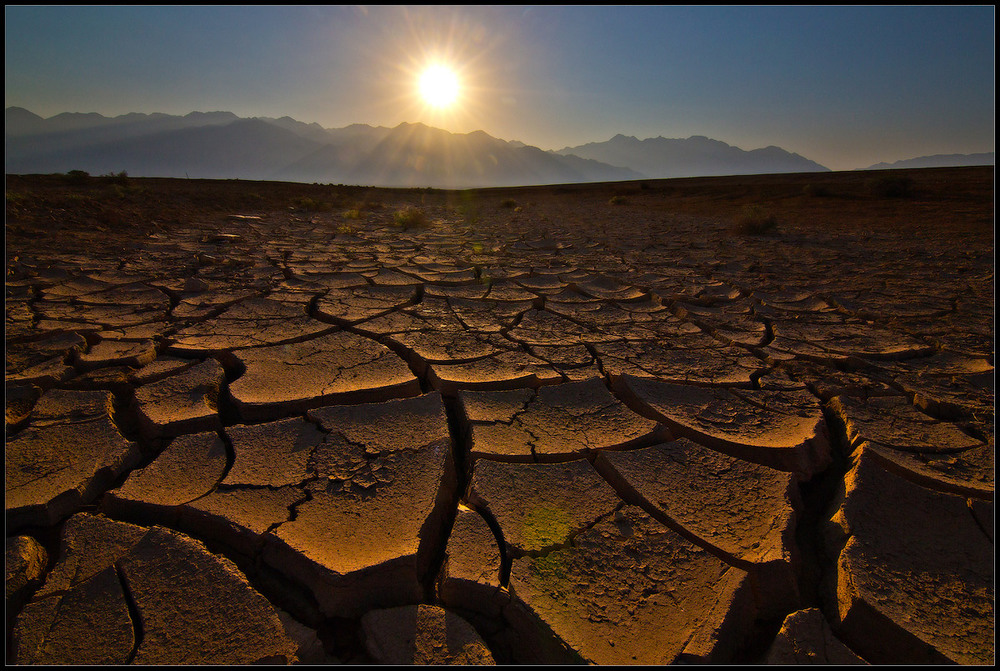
x=733 y=419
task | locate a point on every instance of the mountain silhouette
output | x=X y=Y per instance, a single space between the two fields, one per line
x=938 y=161
x=221 y=145
x=418 y=155
x=661 y=157
x=34 y=144
x=243 y=149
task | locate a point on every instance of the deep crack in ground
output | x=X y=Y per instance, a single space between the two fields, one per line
x=620 y=513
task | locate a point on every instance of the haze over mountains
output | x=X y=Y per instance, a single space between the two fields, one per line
x=661 y=157
x=939 y=161
x=221 y=145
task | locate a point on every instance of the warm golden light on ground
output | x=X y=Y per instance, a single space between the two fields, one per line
x=438 y=86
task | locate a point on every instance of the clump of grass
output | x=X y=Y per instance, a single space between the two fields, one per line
x=754 y=219
x=77 y=177
x=508 y=203
x=617 y=200
x=352 y=214
x=126 y=191
x=346 y=229
x=311 y=205
x=119 y=178
x=891 y=186
x=411 y=217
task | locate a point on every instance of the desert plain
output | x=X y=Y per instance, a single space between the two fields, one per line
x=599 y=423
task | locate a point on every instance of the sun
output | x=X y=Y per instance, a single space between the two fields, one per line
x=438 y=86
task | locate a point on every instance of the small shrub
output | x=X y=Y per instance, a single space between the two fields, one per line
x=617 y=200
x=508 y=203
x=77 y=177
x=411 y=217
x=754 y=220
x=118 y=178
x=311 y=205
x=346 y=229
x=352 y=214
x=891 y=186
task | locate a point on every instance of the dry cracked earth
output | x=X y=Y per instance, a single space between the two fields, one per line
x=544 y=425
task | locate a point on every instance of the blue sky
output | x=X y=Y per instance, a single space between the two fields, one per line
x=845 y=86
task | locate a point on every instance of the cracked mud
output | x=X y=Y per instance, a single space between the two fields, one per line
x=562 y=432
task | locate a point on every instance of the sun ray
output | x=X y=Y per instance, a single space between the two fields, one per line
x=428 y=40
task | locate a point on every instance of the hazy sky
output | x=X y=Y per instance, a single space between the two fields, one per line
x=844 y=86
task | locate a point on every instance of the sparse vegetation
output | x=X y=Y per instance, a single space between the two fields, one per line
x=124 y=191
x=617 y=200
x=411 y=217
x=77 y=177
x=754 y=219
x=352 y=214
x=508 y=203
x=346 y=229
x=119 y=178
x=311 y=205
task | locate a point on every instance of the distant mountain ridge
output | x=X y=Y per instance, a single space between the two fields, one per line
x=661 y=157
x=939 y=161
x=222 y=145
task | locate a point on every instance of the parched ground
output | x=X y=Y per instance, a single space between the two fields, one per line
x=602 y=423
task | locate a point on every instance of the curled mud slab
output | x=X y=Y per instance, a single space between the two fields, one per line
x=242 y=431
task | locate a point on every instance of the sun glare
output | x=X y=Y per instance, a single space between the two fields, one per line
x=440 y=70
x=438 y=86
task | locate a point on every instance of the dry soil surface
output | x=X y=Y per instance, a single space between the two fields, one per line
x=602 y=423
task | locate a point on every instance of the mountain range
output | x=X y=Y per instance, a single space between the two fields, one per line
x=662 y=157
x=938 y=161
x=221 y=145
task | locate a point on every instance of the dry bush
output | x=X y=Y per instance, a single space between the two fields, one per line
x=411 y=217
x=311 y=205
x=754 y=219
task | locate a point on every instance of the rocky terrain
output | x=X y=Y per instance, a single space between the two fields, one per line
x=734 y=419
